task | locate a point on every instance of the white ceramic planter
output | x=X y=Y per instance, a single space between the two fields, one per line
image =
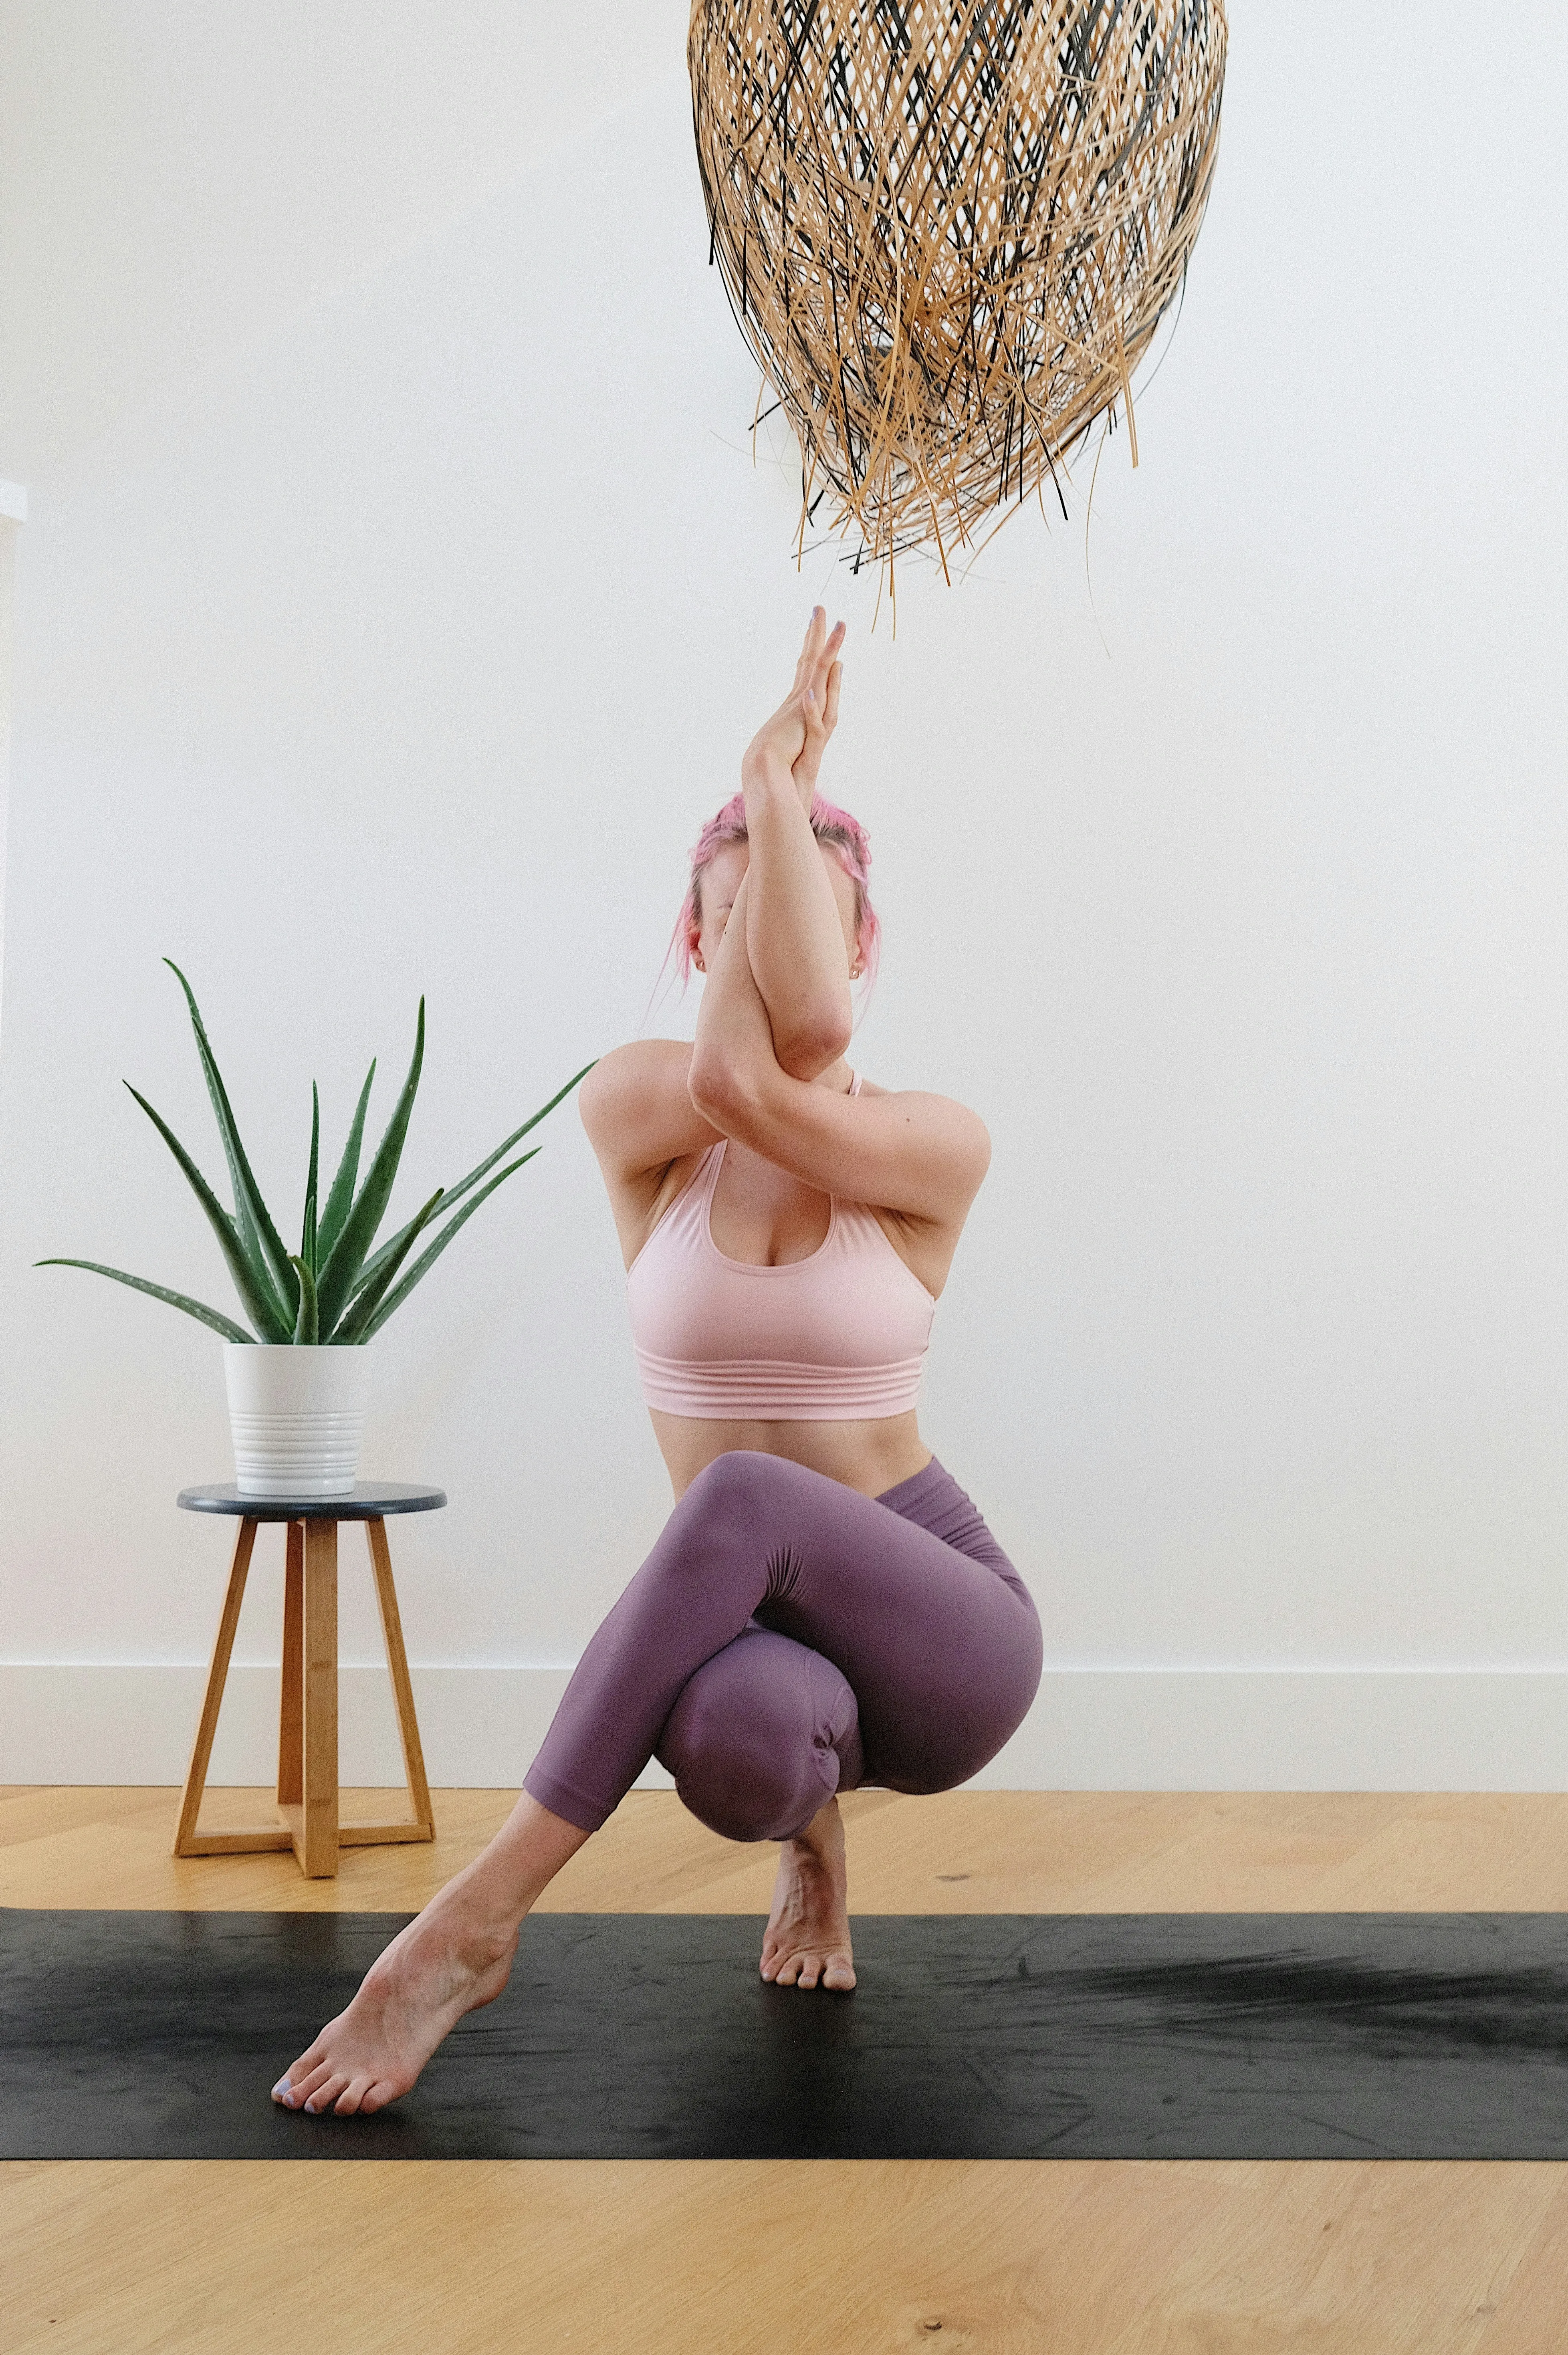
x=297 y=1416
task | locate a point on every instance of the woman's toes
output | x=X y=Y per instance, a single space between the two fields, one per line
x=296 y=2083
x=809 y=1969
x=308 y=2082
x=322 y=2096
x=288 y=2088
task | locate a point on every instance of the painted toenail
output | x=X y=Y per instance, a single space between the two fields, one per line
x=282 y=2089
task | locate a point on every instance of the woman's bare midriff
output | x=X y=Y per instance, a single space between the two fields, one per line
x=870 y=1456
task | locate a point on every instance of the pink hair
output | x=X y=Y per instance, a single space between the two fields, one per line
x=834 y=827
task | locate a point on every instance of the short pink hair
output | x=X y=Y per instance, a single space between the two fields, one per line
x=834 y=827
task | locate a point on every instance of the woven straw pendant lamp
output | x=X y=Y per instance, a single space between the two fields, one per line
x=948 y=230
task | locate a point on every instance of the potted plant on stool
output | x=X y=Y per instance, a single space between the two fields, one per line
x=297 y=1385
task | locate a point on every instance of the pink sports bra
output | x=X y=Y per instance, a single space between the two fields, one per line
x=837 y=1337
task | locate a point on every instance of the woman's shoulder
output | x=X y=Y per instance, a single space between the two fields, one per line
x=637 y=1108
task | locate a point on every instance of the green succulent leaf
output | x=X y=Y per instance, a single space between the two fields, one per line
x=259 y=1305
x=340 y=1200
x=256 y=1229
x=348 y=1254
x=360 y=1315
x=308 y=1233
x=213 y=1317
x=427 y=1259
x=374 y=1266
x=250 y=1243
x=307 y=1324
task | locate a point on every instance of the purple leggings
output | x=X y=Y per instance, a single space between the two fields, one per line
x=787 y=1638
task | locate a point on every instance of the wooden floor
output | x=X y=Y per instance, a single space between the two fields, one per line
x=693 y=2258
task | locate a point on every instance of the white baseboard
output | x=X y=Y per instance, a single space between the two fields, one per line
x=134 y=1723
x=1091 y=1729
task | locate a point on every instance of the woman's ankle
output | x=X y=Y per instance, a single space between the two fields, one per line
x=497 y=1891
x=823 y=1836
x=464 y=1925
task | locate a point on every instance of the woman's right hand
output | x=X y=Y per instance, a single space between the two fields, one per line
x=795 y=736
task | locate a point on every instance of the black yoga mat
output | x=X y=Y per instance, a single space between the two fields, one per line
x=980 y=2036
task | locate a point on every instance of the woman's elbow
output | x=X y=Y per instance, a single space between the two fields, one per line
x=817 y=1044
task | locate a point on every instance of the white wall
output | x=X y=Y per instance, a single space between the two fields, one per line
x=13 y=514
x=397 y=595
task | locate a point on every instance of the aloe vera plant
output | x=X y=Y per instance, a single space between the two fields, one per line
x=340 y=1286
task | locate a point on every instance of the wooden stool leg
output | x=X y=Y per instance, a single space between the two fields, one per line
x=403 y=1689
x=316 y=1842
x=188 y=1841
x=291 y=1706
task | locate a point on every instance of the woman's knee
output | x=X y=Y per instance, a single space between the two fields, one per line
x=753 y=1749
x=734 y=1504
x=750 y=1798
x=733 y=1486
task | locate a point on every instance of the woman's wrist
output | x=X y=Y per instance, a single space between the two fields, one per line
x=767 y=773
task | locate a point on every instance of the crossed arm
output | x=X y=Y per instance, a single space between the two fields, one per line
x=921 y=1156
x=776 y=1017
x=795 y=940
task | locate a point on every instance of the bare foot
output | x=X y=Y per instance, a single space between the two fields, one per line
x=807 y=1938
x=446 y=1962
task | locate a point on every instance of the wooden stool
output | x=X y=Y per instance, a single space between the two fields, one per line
x=308 y=1725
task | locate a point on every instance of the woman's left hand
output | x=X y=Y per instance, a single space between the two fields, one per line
x=795 y=738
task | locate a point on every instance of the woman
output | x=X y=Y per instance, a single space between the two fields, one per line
x=825 y=1607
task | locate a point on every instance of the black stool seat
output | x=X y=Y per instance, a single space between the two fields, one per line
x=370 y=1500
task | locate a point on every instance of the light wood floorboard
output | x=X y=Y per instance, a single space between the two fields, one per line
x=689 y=2258
x=960 y=1852
x=680 y=2257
